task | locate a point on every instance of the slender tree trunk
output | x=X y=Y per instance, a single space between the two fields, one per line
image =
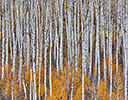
x=75 y=34
x=72 y=93
x=125 y=48
x=68 y=29
x=30 y=84
x=107 y=28
x=27 y=39
x=40 y=52
x=21 y=43
x=97 y=40
x=125 y=65
x=126 y=52
x=91 y=37
x=37 y=32
x=103 y=38
x=50 y=67
x=33 y=46
x=78 y=30
x=83 y=50
x=7 y=32
x=45 y=52
x=72 y=65
x=14 y=45
x=85 y=37
x=61 y=41
x=117 y=45
x=96 y=49
x=56 y=38
x=110 y=47
x=61 y=34
x=25 y=91
x=3 y=39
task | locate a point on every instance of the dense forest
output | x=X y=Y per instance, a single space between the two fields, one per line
x=63 y=49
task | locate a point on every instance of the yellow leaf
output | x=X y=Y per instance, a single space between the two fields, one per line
x=99 y=33
x=102 y=89
x=0 y=34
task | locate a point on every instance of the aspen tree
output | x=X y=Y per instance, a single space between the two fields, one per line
x=78 y=29
x=75 y=35
x=46 y=47
x=68 y=29
x=33 y=46
x=74 y=46
x=3 y=39
x=110 y=46
x=97 y=40
x=50 y=66
x=37 y=32
x=83 y=50
x=7 y=33
x=126 y=52
x=14 y=45
x=28 y=41
x=125 y=48
x=117 y=47
x=14 y=40
x=91 y=37
x=125 y=71
x=103 y=38
x=30 y=83
x=61 y=34
x=21 y=43
x=40 y=52
x=56 y=43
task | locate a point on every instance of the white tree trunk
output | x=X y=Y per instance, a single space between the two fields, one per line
x=126 y=52
x=14 y=44
x=56 y=43
x=83 y=50
x=78 y=30
x=103 y=38
x=117 y=44
x=75 y=34
x=30 y=84
x=3 y=32
x=125 y=65
x=7 y=32
x=72 y=84
x=91 y=37
x=21 y=43
x=72 y=65
x=33 y=47
x=50 y=66
x=68 y=30
x=40 y=52
x=124 y=47
x=61 y=34
x=110 y=46
x=37 y=32
x=97 y=40
x=27 y=39
x=46 y=37
x=25 y=91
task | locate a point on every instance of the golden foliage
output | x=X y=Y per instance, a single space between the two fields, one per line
x=0 y=34
x=101 y=92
